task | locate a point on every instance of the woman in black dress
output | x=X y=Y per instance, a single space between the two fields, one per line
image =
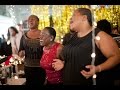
x=32 y=50
x=76 y=55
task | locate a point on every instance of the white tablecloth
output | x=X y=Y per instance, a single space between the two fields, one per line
x=13 y=81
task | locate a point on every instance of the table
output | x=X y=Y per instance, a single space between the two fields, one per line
x=13 y=81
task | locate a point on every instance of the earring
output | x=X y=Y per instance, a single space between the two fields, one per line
x=51 y=39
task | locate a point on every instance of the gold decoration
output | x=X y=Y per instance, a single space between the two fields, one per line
x=111 y=13
x=61 y=18
x=61 y=15
x=42 y=11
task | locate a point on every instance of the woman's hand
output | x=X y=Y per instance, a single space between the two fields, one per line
x=90 y=73
x=21 y=54
x=57 y=64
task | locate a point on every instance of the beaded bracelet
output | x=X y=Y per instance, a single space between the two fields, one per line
x=99 y=68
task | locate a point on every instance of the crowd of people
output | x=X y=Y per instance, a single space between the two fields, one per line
x=48 y=62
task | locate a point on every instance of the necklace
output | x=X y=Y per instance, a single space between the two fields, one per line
x=8 y=42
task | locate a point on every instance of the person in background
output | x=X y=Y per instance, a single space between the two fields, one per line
x=77 y=54
x=67 y=37
x=3 y=38
x=15 y=37
x=6 y=49
x=0 y=41
x=115 y=30
x=105 y=26
x=10 y=47
x=32 y=50
x=51 y=50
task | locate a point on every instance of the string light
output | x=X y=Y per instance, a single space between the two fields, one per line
x=11 y=9
x=3 y=64
x=16 y=77
x=93 y=49
x=15 y=60
x=21 y=22
x=11 y=60
x=94 y=76
x=97 y=38
x=93 y=55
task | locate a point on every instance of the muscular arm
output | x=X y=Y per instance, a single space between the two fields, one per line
x=58 y=64
x=109 y=48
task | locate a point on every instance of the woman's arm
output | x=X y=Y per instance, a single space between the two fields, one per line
x=59 y=50
x=110 y=50
x=57 y=63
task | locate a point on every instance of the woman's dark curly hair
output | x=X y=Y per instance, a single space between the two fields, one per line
x=13 y=28
x=104 y=25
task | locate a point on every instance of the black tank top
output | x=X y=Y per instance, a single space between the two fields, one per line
x=76 y=54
